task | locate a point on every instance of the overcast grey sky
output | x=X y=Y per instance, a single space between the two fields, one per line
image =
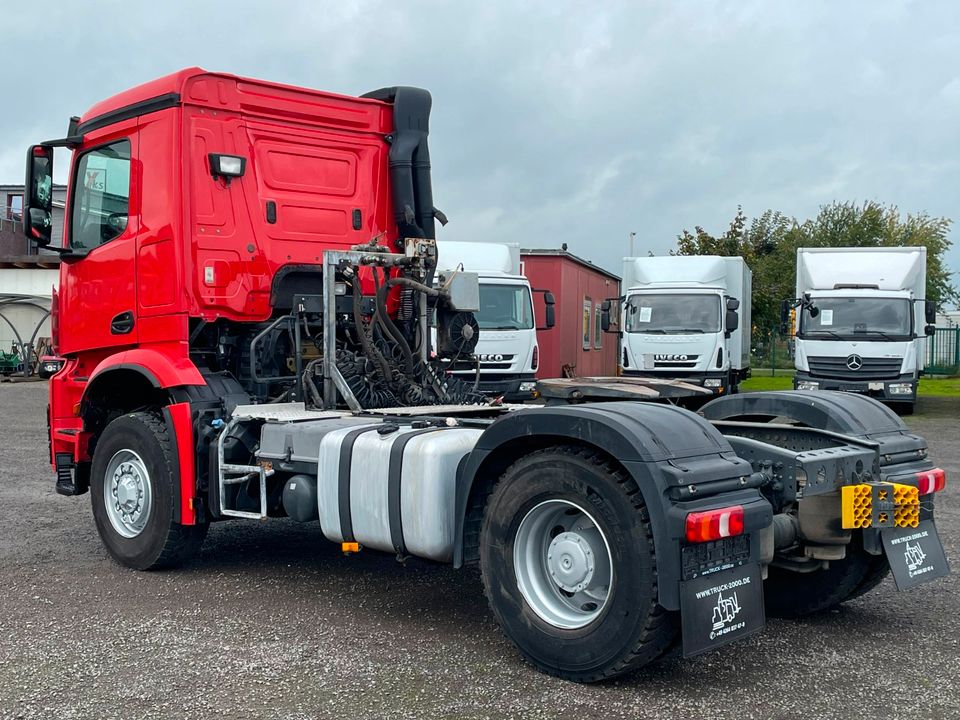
x=564 y=122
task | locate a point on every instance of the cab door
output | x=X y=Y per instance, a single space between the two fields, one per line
x=98 y=283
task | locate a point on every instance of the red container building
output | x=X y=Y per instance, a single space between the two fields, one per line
x=575 y=346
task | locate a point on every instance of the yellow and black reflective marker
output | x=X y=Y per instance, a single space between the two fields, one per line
x=880 y=504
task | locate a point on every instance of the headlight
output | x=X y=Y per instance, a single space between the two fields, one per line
x=528 y=386
x=713 y=382
x=900 y=388
x=808 y=385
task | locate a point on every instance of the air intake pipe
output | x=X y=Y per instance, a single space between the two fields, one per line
x=410 y=160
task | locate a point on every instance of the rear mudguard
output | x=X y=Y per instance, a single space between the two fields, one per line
x=899 y=453
x=849 y=414
x=679 y=462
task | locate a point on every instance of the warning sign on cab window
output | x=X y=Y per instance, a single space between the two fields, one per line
x=95 y=179
x=645 y=314
x=826 y=317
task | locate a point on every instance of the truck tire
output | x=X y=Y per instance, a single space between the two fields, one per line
x=131 y=489
x=789 y=594
x=569 y=566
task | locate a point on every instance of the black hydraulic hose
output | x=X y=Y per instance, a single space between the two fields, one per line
x=368 y=348
x=383 y=318
x=407 y=282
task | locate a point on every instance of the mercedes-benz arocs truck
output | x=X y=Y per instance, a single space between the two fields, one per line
x=507 y=353
x=244 y=312
x=687 y=317
x=861 y=321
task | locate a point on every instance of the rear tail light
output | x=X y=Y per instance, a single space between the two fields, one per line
x=535 y=362
x=931 y=481
x=715 y=524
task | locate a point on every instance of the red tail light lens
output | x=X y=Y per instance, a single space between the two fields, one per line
x=715 y=524
x=535 y=363
x=931 y=481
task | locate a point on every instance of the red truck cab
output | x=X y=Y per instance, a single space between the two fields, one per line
x=195 y=199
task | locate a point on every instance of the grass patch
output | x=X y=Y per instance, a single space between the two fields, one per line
x=940 y=386
x=783 y=380
x=765 y=382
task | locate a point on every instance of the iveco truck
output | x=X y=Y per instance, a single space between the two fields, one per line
x=687 y=318
x=507 y=352
x=861 y=321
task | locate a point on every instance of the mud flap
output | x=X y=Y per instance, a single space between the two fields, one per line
x=718 y=608
x=915 y=554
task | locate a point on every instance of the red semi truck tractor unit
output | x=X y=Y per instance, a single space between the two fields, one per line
x=247 y=300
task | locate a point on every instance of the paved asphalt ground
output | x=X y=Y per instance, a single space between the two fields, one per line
x=273 y=622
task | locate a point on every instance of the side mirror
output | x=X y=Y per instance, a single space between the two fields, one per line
x=38 y=195
x=549 y=313
x=605 y=316
x=731 y=322
x=610 y=306
x=930 y=330
x=733 y=304
x=930 y=312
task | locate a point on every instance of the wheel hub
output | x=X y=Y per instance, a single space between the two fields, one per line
x=129 y=490
x=128 y=495
x=563 y=564
x=570 y=561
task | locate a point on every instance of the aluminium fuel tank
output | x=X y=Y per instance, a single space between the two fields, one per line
x=392 y=487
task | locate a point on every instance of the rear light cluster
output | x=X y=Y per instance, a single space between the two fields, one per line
x=715 y=524
x=931 y=481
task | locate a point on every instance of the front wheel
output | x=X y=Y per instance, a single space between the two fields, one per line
x=569 y=566
x=132 y=493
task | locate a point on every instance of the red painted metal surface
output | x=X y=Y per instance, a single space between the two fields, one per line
x=579 y=288
x=183 y=435
x=198 y=246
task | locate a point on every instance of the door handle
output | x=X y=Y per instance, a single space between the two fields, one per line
x=122 y=323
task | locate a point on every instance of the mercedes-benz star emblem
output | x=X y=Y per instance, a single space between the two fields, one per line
x=854 y=362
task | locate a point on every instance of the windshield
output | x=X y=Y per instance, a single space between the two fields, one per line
x=505 y=307
x=858 y=317
x=673 y=314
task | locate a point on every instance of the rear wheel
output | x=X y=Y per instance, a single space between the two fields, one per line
x=793 y=594
x=569 y=566
x=132 y=493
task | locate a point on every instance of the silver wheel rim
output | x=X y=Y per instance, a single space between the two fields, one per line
x=127 y=493
x=563 y=564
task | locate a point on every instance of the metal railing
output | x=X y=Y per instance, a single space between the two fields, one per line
x=943 y=352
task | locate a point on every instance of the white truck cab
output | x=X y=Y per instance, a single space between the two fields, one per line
x=687 y=318
x=508 y=353
x=860 y=321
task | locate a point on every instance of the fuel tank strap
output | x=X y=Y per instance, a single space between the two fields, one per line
x=394 y=475
x=345 y=465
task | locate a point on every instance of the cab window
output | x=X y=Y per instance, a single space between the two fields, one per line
x=101 y=195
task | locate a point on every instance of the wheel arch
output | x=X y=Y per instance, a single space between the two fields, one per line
x=133 y=379
x=657 y=446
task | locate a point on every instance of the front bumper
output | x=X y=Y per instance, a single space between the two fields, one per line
x=514 y=389
x=717 y=382
x=901 y=389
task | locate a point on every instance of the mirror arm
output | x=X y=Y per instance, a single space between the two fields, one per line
x=71 y=141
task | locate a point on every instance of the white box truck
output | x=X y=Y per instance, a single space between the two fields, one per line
x=687 y=317
x=860 y=321
x=507 y=352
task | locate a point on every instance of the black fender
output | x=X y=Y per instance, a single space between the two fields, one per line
x=839 y=412
x=679 y=461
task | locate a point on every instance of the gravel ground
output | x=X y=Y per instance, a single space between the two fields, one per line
x=274 y=622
